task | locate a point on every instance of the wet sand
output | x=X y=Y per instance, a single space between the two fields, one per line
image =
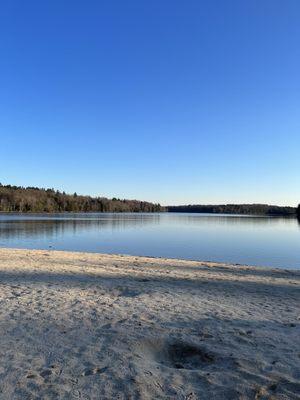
x=93 y=326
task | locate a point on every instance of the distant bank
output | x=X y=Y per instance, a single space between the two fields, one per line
x=254 y=209
x=39 y=200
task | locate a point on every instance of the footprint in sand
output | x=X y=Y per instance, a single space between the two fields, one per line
x=93 y=371
x=45 y=373
x=49 y=371
x=31 y=376
x=176 y=354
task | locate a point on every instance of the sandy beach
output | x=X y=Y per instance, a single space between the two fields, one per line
x=93 y=326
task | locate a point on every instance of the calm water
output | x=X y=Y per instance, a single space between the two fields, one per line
x=268 y=241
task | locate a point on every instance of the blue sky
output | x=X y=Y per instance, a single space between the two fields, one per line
x=170 y=101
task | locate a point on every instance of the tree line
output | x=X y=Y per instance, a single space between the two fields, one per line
x=254 y=209
x=33 y=199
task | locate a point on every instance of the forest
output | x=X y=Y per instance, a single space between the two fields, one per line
x=33 y=199
x=254 y=209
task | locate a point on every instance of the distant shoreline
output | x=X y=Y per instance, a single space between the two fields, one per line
x=228 y=213
x=239 y=209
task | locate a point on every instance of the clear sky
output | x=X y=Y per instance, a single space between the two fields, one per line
x=162 y=100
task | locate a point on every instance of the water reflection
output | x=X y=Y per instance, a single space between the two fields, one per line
x=229 y=219
x=50 y=226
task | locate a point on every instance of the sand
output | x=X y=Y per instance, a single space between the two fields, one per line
x=93 y=326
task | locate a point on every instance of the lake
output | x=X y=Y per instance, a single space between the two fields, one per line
x=253 y=240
